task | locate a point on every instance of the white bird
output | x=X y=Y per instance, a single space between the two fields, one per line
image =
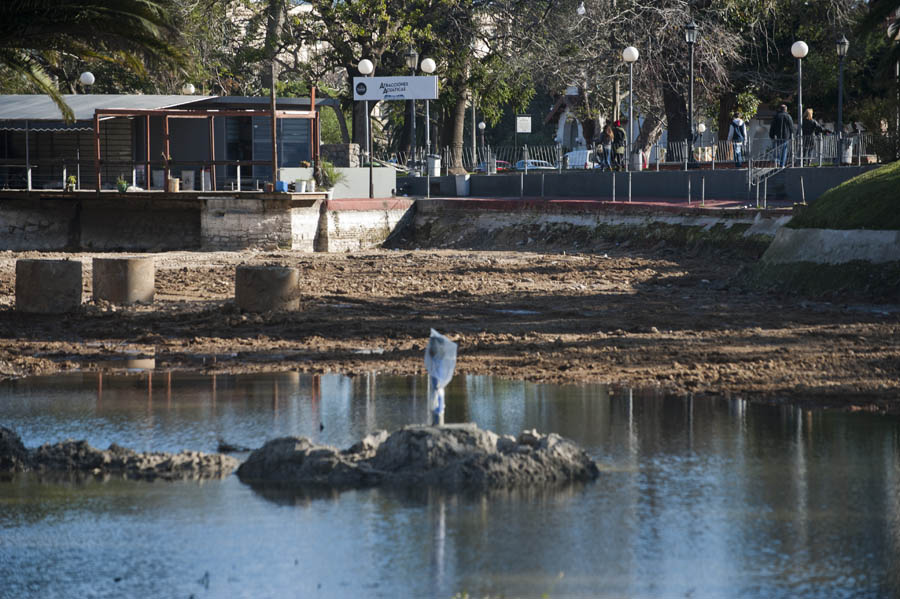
x=440 y=361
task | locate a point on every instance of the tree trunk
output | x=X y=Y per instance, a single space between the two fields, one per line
x=589 y=126
x=649 y=133
x=274 y=24
x=457 y=129
x=727 y=105
x=676 y=114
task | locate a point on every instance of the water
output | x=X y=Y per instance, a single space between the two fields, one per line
x=708 y=498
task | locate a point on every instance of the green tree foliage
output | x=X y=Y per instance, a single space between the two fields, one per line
x=36 y=35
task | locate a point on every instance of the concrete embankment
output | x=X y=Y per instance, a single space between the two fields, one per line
x=831 y=246
x=484 y=223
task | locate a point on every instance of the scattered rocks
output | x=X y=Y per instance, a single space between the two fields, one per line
x=458 y=456
x=79 y=457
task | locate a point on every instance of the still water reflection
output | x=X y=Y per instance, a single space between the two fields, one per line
x=709 y=498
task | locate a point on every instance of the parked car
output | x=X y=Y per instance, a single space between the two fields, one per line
x=579 y=159
x=502 y=166
x=535 y=165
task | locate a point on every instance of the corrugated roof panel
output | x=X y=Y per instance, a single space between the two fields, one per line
x=38 y=107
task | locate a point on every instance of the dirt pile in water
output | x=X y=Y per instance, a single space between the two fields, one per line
x=78 y=457
x=458 y=456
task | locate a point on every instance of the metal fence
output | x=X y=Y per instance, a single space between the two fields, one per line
x=194 y=175
x=818 y=150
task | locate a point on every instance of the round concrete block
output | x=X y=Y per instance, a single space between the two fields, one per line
x=124 y=280
x=264 y=288
x=48 y=286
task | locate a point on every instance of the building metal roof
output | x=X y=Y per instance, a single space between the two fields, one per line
x=259 y=103
x=39 y=107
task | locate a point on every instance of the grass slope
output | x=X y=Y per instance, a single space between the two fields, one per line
x=869 y=201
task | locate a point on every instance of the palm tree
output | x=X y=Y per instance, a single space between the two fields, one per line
x=37 y=33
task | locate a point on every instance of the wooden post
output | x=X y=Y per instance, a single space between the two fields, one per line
x=212 y=156
x=147 y=182
x=97 y=149
x=168 y=155
x=314 y=128
x=274 y=129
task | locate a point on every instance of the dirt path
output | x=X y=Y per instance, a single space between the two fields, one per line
x=636 y=317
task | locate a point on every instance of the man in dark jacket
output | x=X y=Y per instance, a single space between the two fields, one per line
x=619 y=137
x=780 y=132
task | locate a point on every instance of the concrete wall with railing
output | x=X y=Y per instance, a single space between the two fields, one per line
x=790 y=185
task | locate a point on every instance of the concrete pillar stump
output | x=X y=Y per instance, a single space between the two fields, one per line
x=124 y=280
x=265 y=288
x=48 y=286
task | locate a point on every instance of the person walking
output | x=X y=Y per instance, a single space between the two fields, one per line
x=812 y=132
x=606 y=143
x=781 y=132
x=737 y=135
x=619 y=137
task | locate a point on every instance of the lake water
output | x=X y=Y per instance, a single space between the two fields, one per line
x=696 y=498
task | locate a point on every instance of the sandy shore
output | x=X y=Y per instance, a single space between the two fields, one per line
x=659 y=317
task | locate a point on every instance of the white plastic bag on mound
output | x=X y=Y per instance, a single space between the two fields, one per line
x=440 y=361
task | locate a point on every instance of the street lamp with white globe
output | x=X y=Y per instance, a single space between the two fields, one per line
x=428 y=67
x=630 y=55
x=86 y=78
x=188 y=89
x=799 y=50
x=366 y=68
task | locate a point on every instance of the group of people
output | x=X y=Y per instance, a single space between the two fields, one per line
x=610 y=149
x=781 y=131
x=610 y=153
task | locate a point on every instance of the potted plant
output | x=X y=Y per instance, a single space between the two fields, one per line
x=70 y=183
x=327 y=176
x=121 y=184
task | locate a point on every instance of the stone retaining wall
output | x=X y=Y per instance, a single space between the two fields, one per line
x=37 y=225
x=236 y=224
x=359 y=224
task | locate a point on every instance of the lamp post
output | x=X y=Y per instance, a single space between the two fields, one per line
x=428 y=67
x=484 y=159
x=690 y=36
x=842 y=45
x=188 y=89
x=630 y=55
x=366 y=68
x=412 y=61
x=86 y=79
x=800 y=50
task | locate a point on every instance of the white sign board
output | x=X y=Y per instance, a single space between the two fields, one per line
x=523 y=124
x=395 y=88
